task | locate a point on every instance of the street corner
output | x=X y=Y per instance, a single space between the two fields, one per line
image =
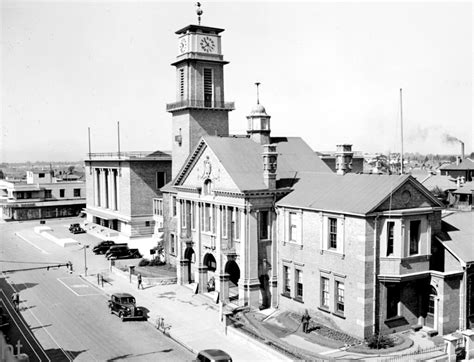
x=79 y=286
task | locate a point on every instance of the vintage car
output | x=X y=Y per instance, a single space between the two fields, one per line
x=124 y=305
x=73 y=226
x=103 y=247
x=125 y=254
x=209 y=355
x=77 y=230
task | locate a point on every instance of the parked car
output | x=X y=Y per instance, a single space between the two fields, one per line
x=73 y=226
x=118 y=249
x=103 y=246
x=208 y=355
x=128 y=254
x=78 y=230
x=124 y=305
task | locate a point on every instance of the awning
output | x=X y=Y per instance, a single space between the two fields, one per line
x=104 y=215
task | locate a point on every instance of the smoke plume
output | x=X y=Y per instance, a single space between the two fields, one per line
x=451 y=139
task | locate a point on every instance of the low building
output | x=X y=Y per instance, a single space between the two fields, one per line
x=41 y=196
x=462 y=168
x=121 y=188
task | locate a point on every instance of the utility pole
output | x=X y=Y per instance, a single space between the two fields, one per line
x=85 y=259
x=401 y=129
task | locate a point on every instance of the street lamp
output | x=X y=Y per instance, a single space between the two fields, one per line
x=85 y=259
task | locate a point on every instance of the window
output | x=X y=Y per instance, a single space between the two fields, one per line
x=207 y=189
x=390 y=228
x=183 y=213
x=77 y=192
x=48 y=194
x=236 y=224
x=286 y=280
x=208 y=87
x=213 y=220
x=393 y=297
x=299 y=284
x=339 y=297
x=332 y=233
x=193 y=215
x=207 y=217
x=224 y=222
x=158 y=207
x=41 y=175
x=172 y=244
x=173 y=206
x=414 y=236
x=181 y=82
x=264 y=224
x=147 y=223
x=61 y=192
x=324 y=293
x=160 y=179
x=293 y=227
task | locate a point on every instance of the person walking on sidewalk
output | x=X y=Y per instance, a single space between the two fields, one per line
x=16 y=301
x=305 y=320
x=139 y=280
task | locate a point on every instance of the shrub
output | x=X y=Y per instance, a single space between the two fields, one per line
x=143 y=262
x=379 y=341
x=156 y=262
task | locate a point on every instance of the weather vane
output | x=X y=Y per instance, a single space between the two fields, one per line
x=199 y=12
x=258 y=99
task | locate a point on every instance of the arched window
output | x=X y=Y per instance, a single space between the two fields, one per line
x=210 y=262
x=207 y=187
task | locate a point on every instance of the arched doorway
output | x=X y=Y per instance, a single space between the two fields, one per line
x=189 y=255
x=210 y=262
x=232 y=268
x=430 y=320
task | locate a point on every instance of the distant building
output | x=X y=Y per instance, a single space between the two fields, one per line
x=463 y=168
x=120 y=192
x=357 y=160
x=42 y=195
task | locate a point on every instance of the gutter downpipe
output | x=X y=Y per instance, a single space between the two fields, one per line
x=376 y=289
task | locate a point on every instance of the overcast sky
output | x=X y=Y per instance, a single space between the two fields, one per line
x=329 y=72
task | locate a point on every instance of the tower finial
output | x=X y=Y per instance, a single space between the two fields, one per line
x=199 y=12
x=258 y=98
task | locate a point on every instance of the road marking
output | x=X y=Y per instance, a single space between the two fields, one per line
x=32 y=244
x=79 y=287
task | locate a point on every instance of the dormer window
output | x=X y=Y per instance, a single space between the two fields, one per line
x=207 y=189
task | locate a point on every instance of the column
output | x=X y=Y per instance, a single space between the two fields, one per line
x=201 y=272
x=116 y=189
x=96 y=187
x=274 y=259
x=223 y=282
x=182 y=264
x=469 y=338
x=103 y=191
x=450 y=342
x=243 y=297
x=110 y=188
x=106 y=188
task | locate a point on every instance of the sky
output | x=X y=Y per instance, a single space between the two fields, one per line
x=329 y=72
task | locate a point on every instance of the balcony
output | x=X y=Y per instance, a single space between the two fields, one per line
x=200 y=104
x=399 y=267
x=131 y=155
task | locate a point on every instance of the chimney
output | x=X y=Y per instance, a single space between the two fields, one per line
x=343 y=159
x=269 y=165
x=462 y=150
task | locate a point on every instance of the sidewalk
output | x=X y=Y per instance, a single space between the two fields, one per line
x=194 y=323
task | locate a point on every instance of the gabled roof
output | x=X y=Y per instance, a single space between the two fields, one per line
x=465 y=189
x=466 y=164
x=458 y=235
x=444 y=182
x=242 y=159
x=351 y=193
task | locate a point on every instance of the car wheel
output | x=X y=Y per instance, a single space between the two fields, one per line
x=111 y=310
x=121 y=316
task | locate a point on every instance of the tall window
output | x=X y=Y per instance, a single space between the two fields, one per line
x=207 y=217
x=393 y=297
x=236 y=224
x=172 y=244
x=181 y=82
x=77 y=192
x=332 y=233
x=390 y=228
x=183 y=213
x=193 y=215
x=299 y=284
x=324 y=292
x=339 y=297
x=158 y=207
x=48 y=194
x=414 y=236
x=293 y=227
x=207 y=87
x=286 y=280
x=207 y=187
x=62 y=192
x=160 y=179
x=173 y=206
x=264 y=224
x=214 y=217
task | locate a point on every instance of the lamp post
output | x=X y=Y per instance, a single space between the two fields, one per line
x=85 y=259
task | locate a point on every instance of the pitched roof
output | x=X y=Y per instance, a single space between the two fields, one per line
x=466 y=164
x=466 y=188
x=444 y=182
x=351 y=193
x=460 y=240
x=242 y=159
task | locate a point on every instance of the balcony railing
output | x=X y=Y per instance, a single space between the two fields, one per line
x=200 y=104
x=131 y=155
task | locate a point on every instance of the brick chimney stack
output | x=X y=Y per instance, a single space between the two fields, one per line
x=270 y=156
x=343 y=159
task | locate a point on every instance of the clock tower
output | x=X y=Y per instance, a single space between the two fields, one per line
x=200 y=108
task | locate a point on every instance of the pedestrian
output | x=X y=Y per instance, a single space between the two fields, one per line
x=139 y=280
x=16 y=301
x=305 y=320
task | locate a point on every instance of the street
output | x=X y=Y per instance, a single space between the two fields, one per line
x=68 y=316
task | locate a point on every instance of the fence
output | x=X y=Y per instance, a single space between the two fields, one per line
x=420 y=354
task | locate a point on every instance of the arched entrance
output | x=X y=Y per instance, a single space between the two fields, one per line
x=210 y=262
x=430 y=320
x=189 y=255
x=232 y=268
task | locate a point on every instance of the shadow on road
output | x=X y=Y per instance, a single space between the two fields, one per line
x=58 y=354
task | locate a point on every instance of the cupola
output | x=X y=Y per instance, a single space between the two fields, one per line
x=259 y=123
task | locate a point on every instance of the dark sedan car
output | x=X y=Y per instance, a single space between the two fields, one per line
x=103 y=246
x=125 y=254
x=77 y=230
x=124 y=305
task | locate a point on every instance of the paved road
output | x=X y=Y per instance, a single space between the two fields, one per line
x=68 y=316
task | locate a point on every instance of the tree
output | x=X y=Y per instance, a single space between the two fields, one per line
x=70 y=170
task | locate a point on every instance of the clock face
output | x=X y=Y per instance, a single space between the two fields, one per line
x=207 y=44
x=183 y=45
